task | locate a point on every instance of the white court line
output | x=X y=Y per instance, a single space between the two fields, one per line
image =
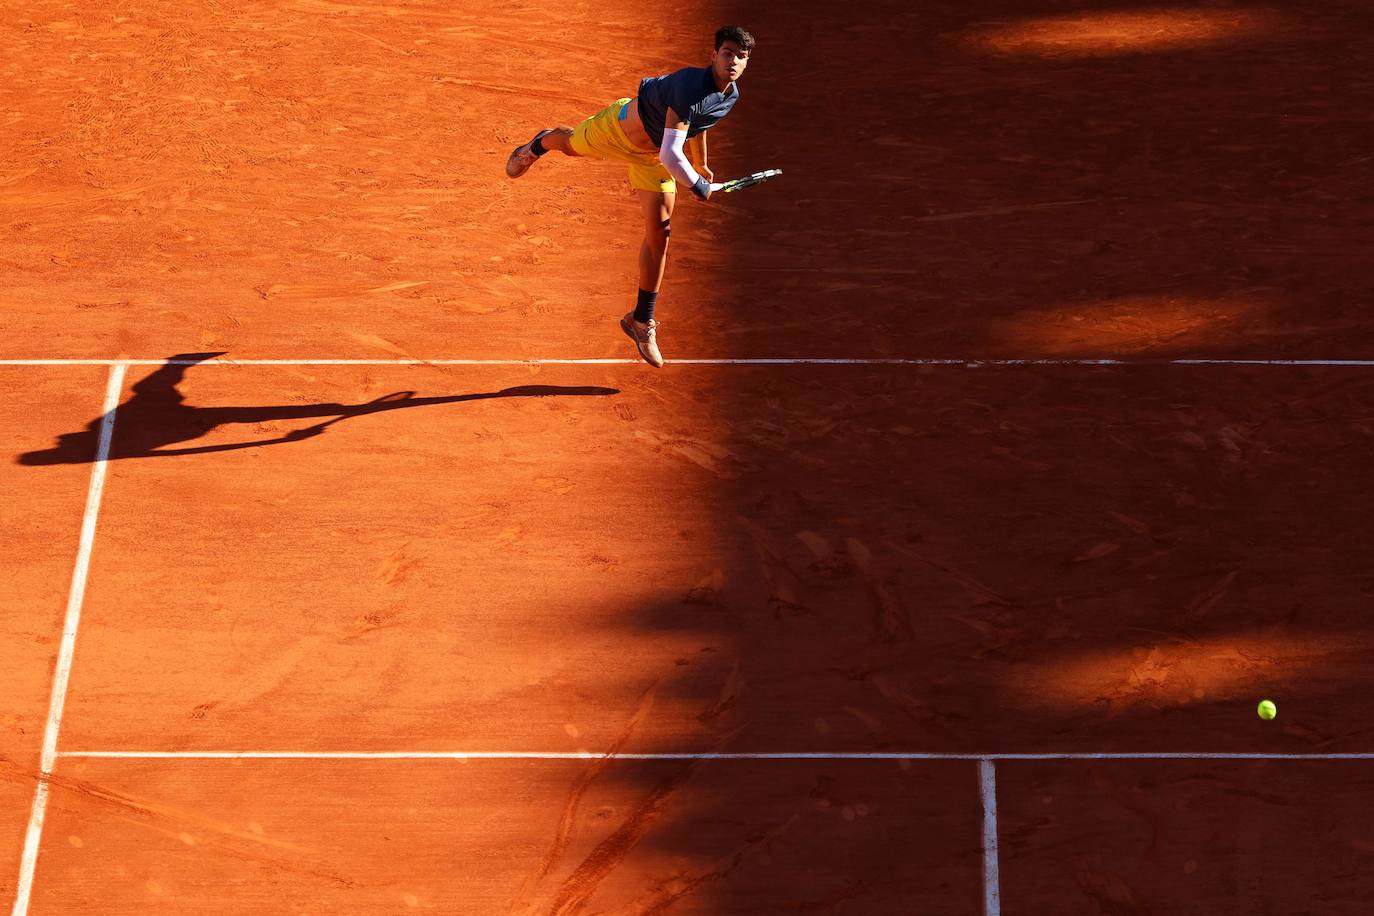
x=75 y=597
x=761 y=361
x=683 y=755
x=992 y=884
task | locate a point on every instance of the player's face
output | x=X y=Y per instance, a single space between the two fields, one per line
x=729 y=61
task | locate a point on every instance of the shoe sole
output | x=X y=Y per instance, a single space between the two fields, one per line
x=629 y=332
x=510 y=160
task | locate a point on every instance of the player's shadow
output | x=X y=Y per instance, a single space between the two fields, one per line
x=157 y=416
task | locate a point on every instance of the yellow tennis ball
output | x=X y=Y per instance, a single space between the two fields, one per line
x=1267 y=710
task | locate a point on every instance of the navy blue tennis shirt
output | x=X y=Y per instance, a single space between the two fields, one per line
x=692 y=93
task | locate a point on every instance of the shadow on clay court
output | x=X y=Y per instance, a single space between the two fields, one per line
x=1060 y=574
x=1040 y=561
x=157 y=416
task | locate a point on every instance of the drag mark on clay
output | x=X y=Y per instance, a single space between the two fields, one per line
x=1211 y=597
x=891 y=620
x=331 y=291
x=909 y=706
x=377 y=41
x=999 y=632
x=578 y=889
x=1110 y=891
x=669 y=892
x=568 y=820
x=1131 y=522
x=328 y=6
x=379 y=343
x=708 y=455
x=783 y=583
x=140 y=811
x=364 y=624
x=1097 y=551
x=730 y=692
x=820 y=548
x=965 y=580
x=16 y=177
x=396 y=567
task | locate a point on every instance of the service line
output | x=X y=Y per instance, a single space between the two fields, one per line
x=75 y=597
x=689 y=755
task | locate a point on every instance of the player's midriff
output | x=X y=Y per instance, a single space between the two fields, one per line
x=634 y=127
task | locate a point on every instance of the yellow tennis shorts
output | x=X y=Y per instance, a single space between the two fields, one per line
x=601 y=137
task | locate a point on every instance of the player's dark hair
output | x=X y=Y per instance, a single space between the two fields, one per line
x=736 y=34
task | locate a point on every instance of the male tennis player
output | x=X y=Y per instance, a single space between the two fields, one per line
x=649 y=132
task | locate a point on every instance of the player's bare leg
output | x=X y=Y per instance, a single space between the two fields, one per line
x=560 y=139
x=657 y=209
x=525 y=155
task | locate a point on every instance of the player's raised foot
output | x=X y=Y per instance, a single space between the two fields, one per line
x=644 y=336
x=522 y=157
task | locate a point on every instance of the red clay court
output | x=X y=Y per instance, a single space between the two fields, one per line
x=1011 y=448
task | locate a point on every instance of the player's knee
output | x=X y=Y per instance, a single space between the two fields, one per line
x=661 y=233
x=655 y=237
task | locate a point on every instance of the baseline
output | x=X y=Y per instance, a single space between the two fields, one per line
x=756 y=361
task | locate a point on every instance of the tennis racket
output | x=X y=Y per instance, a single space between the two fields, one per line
x=748 y=181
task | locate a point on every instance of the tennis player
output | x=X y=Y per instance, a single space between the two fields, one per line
x=650 y=134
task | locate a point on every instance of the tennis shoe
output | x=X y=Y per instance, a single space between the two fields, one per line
x=522 y=157
x=645 y=338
